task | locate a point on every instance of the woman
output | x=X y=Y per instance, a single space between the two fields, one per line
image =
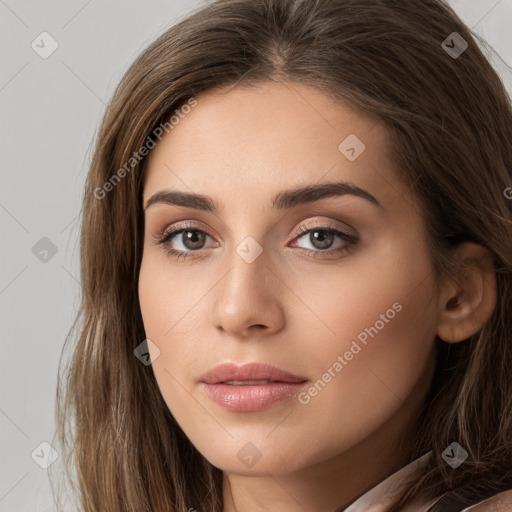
x=237 y=369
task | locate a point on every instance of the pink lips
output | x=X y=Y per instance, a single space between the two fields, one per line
x=251 y=387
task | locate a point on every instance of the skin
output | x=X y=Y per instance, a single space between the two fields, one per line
x=289 y=308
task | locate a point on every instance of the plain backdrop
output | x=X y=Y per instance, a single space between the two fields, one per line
x=51 y=107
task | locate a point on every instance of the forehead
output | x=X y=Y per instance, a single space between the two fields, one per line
x=247 y=141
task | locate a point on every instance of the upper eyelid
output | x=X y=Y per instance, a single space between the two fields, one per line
x=170 y=233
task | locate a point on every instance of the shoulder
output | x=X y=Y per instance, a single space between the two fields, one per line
x=499 y=503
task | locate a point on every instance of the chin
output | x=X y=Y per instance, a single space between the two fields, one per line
x=247 y=459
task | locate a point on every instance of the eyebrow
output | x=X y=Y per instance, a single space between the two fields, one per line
x=283 y=200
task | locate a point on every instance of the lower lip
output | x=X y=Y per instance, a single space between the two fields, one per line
x=251 y=398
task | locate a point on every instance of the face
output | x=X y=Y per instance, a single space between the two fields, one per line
x=335 y=287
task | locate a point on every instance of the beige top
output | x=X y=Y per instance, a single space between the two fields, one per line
x=379 y=497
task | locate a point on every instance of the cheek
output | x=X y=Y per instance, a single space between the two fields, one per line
x=170 y=305
x=383 y=300
x=383 y=315
x=168 y=300
x=382 y=349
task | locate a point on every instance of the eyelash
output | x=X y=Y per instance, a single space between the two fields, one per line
x=351 y=241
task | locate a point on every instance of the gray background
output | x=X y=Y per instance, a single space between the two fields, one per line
x=50 y=111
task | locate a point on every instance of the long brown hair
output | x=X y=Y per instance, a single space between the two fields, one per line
x=451 y=125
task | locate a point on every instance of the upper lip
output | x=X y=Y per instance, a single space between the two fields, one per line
x=247 y=372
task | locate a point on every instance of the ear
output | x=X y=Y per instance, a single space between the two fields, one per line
x=468 y=298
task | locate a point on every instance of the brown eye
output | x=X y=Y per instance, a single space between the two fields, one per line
x=322 y=238
x=193 y=240
x=184 y=241
x=190 y=239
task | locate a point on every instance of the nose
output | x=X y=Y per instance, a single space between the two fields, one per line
x=248 y=299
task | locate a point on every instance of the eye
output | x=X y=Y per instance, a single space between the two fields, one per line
x=186 y=236
x=185 y=239
x=322 y=238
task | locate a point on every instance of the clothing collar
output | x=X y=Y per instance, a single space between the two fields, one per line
x=378 y=498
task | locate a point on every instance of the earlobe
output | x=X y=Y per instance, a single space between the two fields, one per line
x=468 y=298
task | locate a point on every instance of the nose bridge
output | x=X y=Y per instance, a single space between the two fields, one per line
x=247 y=295
x=246 y=256
x=245 y=283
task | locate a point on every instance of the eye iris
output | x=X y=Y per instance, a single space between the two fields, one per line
x=194 y=239
x=324 y=239
x=190 y=239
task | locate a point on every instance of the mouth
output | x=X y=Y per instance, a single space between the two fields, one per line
x=250 y=388
x=249 y=374
x=248 y=382
x=250 y=397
